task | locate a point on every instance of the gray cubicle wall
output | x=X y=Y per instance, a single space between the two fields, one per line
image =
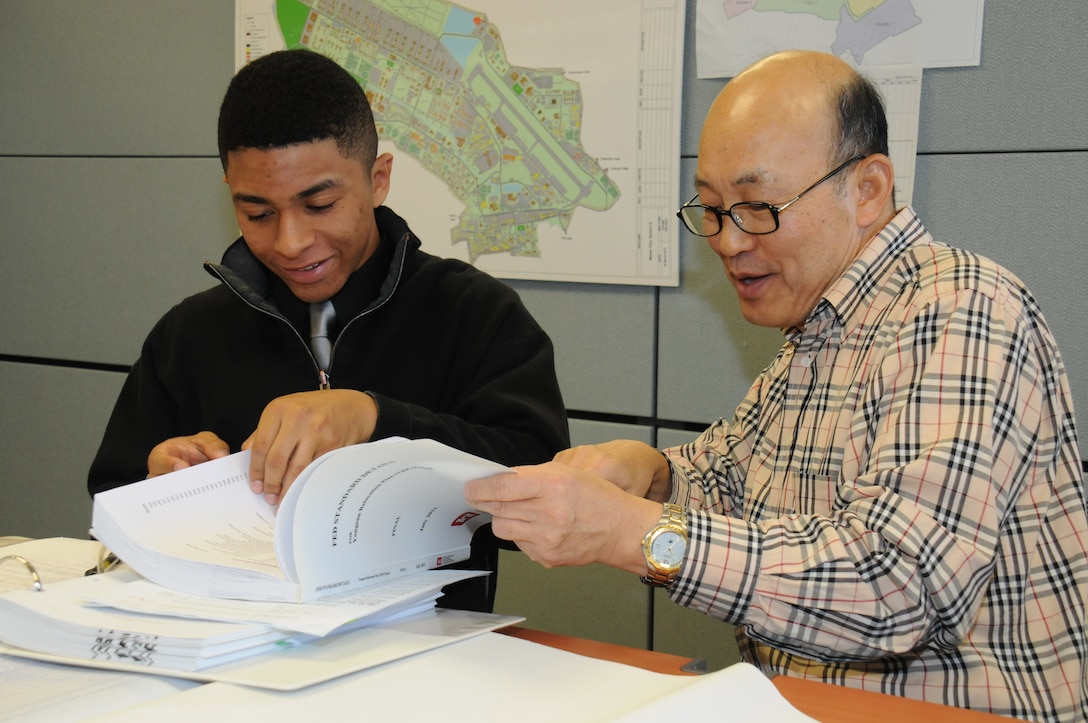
x=110 y=196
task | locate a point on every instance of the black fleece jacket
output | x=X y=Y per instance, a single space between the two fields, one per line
x=448 y=352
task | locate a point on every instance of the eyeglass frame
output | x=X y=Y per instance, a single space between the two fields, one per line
x=760 y=205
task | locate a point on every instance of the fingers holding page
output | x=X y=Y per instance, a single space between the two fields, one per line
x=559 y=515
x=181 y=452
x=630 y=465
x=296 y=429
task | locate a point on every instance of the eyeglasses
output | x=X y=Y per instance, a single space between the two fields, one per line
x=754 y=217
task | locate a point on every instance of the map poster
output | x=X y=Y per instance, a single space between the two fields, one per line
x=533 y=140
x=732 y=34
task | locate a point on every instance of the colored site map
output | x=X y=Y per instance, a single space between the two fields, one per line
x=505 y=141
x=930 y=33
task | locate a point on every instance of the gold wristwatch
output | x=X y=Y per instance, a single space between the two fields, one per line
x=664 y=546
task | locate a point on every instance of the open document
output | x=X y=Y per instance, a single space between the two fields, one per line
x=355 y=516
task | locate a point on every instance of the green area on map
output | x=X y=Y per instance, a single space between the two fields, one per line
x=505 y=140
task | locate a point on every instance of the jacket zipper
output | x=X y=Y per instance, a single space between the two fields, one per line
x=324 y=378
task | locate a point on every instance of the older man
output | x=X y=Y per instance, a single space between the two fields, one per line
x=898 y=503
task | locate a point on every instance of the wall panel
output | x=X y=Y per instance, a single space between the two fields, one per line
x=99 y=248
x=604 y=343
x=50 y=427
x=113 y=196
x=113 y=77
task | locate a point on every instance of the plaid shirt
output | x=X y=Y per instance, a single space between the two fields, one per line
x=898 y=503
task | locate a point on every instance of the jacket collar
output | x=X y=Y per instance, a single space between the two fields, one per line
x=252 y=282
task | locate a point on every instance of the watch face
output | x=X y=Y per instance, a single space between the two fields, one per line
x=668 y=549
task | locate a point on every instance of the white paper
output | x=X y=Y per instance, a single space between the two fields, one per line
x=357 y=515
x=489 y=678
x=318 y=617
x=37 y=691
x=191 y=524
x=740 y=692
x=54 y=559
x=405 y=500
x=55 y=620
x=325 y=659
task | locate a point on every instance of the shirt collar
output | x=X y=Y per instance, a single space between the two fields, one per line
x=361 y=288
x=856 y=290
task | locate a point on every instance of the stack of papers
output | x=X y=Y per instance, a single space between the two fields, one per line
x=121 y=621
x=354 y=516
x=214 y=576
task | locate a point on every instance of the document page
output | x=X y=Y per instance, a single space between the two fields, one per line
x=36 y=691
x=371 y=605
x=205 y=513
x=53 y=558
x=377 y=511
x=356 y=516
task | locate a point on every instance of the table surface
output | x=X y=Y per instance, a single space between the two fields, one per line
x=822 y=701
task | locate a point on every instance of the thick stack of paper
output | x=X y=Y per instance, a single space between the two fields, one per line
x=117 y=617
x=56 y=621
x=356 y=515
x=213 y=576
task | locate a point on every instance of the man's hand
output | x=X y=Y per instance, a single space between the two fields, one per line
x=298 y=428
x=634 y=467
x=559 y=515
x=181 y=452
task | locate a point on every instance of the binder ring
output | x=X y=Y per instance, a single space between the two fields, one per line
x=29 y=567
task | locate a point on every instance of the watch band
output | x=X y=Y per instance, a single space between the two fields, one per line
x=673 y=518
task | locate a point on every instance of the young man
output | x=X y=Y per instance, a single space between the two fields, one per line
x=421 y=347
x=898 y=504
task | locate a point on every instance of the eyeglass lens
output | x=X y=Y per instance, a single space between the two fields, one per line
x=700 y=220
x=706 y=221
x=754 y=218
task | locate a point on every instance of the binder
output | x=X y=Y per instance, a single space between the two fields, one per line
x=36 y=583
x=43 y=565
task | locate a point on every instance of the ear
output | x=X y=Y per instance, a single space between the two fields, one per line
x=875 y=179
x=379 y=177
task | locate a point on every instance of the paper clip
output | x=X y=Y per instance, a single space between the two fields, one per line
x=29 y=567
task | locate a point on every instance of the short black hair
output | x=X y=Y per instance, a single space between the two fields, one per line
x=863 y=126
x=296 y=96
